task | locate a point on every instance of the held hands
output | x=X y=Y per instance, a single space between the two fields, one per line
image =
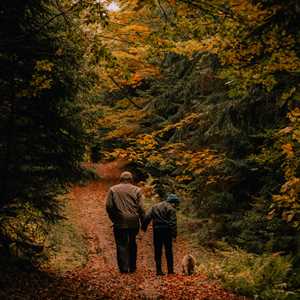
x=141 y=235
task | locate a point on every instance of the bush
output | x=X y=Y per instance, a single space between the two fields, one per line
x=22 y=234
x=262 y=277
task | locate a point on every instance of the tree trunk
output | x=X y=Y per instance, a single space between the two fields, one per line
x=8 y=152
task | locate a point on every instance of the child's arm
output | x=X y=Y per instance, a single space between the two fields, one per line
x=173 y=223
x=141 y=210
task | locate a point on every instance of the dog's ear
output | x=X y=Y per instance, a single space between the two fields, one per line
x=192 y=258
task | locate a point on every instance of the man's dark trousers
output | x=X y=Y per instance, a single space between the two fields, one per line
x=163 y=237
x=126 y=248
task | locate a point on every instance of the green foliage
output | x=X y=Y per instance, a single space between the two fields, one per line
x=66 y=246
x=218 y=121
x=207 y=103
x=235 y=190
x=22 y=233
x=261 y=277
x=43 y=120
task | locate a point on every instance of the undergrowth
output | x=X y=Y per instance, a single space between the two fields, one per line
x=67 y=245
x=267 y=276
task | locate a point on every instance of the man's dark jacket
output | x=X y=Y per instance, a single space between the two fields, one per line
x=124 y=205
x=163 y=215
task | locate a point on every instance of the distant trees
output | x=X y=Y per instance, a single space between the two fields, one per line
x=221 y=120
x=219 y=123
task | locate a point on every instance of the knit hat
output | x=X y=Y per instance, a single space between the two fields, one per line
x=172 y=198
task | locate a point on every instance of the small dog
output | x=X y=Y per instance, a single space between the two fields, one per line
x=188 y=264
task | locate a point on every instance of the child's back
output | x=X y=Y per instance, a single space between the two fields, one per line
x=163 y=217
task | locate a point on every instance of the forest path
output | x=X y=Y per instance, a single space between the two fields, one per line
x=101 y=274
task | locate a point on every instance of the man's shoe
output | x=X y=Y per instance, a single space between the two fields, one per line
x=160 y=273
x=171 y=273
x=132 y=270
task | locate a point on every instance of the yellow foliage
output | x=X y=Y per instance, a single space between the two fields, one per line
x=157 y=159
x=183 y=178
x=128 y=154
x=289 y=197
x=252 y=13
x=189 y=119
x=44 y=66
x=288 y=150
x=135 y=29
x=41 y=79
x=146 y=142
x=286 y=130
x=121 y=123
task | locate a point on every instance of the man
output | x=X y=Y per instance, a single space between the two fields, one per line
x=124 y=205
x=163 y=216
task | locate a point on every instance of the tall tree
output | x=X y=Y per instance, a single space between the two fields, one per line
x=44 y=73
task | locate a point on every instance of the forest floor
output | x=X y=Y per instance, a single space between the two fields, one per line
x=98 y=276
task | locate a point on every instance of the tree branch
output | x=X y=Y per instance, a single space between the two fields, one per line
x=212 y=9
x=162 y=10
x=130 y=100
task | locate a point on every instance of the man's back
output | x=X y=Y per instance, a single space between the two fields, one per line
x=124 y=205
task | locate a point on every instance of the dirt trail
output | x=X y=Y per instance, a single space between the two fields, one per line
x=100 y=272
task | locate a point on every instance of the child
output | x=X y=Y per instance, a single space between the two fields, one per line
x=163 y=216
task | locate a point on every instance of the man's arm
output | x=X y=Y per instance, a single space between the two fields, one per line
x=109 y=204
x=140 y=202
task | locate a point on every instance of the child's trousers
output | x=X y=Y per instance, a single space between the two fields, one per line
x=162 y=237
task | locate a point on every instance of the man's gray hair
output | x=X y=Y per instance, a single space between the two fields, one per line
x=126 y=176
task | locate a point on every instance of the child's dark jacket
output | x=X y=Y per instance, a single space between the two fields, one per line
x=163 y=215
